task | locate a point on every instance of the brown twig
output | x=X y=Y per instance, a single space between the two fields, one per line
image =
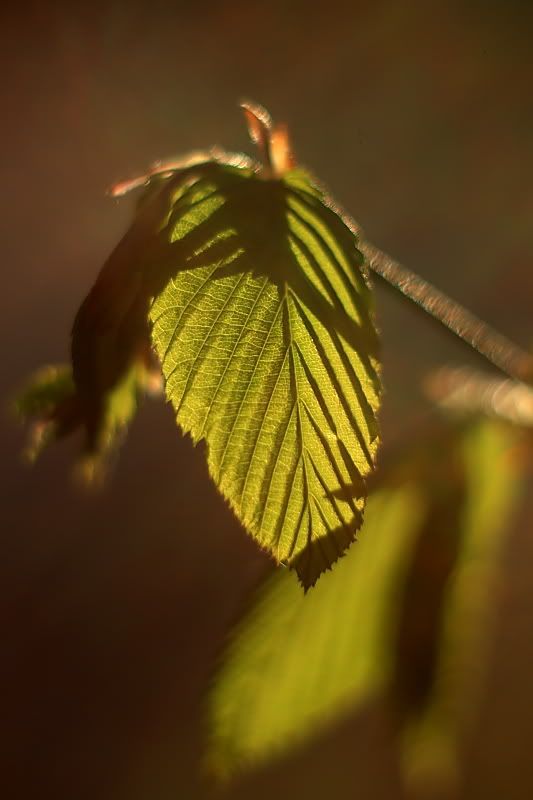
x=504 y=354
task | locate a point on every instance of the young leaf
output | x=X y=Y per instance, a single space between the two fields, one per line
x=262 y=319
x=268 y=348
x=112 y=362
x=47 y=402
x=52 y=405
x=296 y=663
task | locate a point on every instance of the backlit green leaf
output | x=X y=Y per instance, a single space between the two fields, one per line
x=261 y=316
x=269 y=352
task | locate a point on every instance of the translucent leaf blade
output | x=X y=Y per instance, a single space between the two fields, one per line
x=269 y=353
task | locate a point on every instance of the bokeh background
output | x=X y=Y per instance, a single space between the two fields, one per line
x=113 y=607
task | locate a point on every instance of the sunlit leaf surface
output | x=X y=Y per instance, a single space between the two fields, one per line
x=296 y=663
x=269 y=353
x=255 y=296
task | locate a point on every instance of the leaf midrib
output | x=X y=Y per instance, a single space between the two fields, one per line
x=302 y=455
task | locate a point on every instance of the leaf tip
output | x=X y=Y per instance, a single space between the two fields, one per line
x=121 y=188
x=272 y=140
x=258 y=120
x=310 y=564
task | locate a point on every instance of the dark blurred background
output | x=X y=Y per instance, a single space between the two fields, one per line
x=113 y=607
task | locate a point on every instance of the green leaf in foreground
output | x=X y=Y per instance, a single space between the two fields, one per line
x=269 y=354
x=296 y=663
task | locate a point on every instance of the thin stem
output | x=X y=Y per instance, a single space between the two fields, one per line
x=464 y=390
x=508 y=357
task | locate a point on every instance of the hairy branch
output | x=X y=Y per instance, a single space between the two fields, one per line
x=508 y=357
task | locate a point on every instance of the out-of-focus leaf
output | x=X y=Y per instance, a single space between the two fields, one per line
x=51 y=405
x=268 y=348
x=112 y=363
x=47 y=403
x=44 y=390
x=432 y=738
x=462 y=390
x=295 y=664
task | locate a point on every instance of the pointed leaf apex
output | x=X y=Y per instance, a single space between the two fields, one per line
x=259 y=124
x=258 y=120
x=272 y=140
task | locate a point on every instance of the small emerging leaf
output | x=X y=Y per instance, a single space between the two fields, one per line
x=47 y=403
x=271 y=140
x=51 y=405
x=112 y=364
x=116 y=412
